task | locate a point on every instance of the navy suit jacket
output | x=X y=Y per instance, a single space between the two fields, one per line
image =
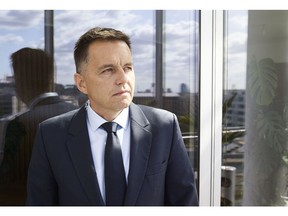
x=62 y=171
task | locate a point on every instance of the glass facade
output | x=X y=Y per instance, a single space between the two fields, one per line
x=18 y=29
x=165 y=52
x=179 y=59
x=255 y=118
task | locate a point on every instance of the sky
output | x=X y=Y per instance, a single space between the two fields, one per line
x=21 y=28
x=236 y=62
x=71 y=24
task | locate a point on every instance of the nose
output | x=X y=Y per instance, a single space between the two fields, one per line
x=122 y=76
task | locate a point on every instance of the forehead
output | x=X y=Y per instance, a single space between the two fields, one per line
x=102 y=53
x=109 y=48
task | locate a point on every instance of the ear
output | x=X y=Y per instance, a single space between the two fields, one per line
x=80 y=83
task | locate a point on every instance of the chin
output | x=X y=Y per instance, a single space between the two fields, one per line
x=124 y=104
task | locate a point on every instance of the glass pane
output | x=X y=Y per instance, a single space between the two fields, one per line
x=256 y=84
x=234 y=108
x=18 y=29
x=181 y=75
x=26 y=97
x=20 y=116
x=69 y=25
x=180 y=54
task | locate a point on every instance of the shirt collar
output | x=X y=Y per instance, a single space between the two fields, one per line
x=95 y=120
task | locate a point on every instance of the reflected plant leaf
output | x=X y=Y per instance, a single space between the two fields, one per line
x=262 y=80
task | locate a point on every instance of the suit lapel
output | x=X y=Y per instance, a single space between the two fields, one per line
x=139 y=153
x=80 y=151
x=79 y=148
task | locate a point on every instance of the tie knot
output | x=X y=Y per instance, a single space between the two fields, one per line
x=110 y=127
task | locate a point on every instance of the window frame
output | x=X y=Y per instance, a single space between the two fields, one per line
x=211 y=100
x=210 y=94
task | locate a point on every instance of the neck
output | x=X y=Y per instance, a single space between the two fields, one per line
x=108 y=115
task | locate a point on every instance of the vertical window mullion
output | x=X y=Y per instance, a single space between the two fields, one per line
x=159 y=59
x=49 y=33
x=211 y=73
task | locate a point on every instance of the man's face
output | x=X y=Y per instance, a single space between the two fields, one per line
x=108 y=78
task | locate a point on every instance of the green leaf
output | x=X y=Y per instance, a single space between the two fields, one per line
x=271 y=128
x=285 y=159
x=227 y=103
x=262 y=80
x=285 y=111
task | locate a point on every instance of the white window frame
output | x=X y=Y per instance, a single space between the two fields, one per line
x=211 y=90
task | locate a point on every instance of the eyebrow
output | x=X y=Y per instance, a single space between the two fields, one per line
x=112 y=65
x=105 y=66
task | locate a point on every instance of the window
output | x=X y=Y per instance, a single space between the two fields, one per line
x=18 y=29
x=165 y=51
x=256 y=68
x=175 y=73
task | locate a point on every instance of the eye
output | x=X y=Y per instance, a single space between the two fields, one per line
x=107 y=70
x=128 y=68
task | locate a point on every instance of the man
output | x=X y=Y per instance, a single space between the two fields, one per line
x=68 y=165
x=33 y=74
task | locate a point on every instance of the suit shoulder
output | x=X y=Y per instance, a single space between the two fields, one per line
x=62 y=118
x=153 y=113
x=155 y=110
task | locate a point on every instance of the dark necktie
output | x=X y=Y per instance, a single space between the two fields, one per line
x=115 y=180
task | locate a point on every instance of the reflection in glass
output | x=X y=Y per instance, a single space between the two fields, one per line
x=266 y=108
x=33 y=76
x=180 y=79
x=18 y=29
x=180 y=51
x=234 y=106
x=262 y=181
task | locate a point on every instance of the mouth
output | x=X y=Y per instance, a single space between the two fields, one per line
x=120 y=93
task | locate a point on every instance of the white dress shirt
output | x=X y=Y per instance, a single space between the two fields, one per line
x=98 y=137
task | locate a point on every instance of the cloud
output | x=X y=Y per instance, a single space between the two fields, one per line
x=237 y=49
x=20 y=19
x=10 y=38
x=238 y=20
x=237 y=42
x=70 y=25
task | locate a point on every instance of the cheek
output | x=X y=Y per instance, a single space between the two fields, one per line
x=132 y=79
x=98 y=88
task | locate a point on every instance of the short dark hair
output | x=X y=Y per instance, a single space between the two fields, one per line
x=96 y=34
x=33 y=73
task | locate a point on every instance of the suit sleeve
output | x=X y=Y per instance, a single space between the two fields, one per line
x=41 y=185
x=180 y=183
